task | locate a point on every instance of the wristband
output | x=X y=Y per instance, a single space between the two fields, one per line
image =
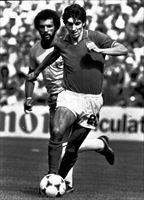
x=29 y=98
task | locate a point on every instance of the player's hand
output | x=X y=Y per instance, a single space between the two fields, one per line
x=28 y=105
x=92 y=46
x=32 y=76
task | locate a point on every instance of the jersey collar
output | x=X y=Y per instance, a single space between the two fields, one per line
x=68 y=39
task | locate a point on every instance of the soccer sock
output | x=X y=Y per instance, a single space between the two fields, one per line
x=70 y=157
x=69 y=177
x=93 y=144
x=54 y=155
x=63 y=149
x=67 y=163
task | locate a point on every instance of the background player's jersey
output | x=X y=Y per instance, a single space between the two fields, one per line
x=53 y=74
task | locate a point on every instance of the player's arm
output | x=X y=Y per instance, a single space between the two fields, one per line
x=49 y=59
x=29 y=87
x=117 y=49
x=102 y=43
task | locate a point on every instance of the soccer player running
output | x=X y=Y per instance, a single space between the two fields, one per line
x=47 y=23
x=83 y=52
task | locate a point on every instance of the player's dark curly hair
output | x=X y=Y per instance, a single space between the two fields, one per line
x=47 y=14
x=75 y=11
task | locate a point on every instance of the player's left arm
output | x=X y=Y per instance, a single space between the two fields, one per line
x=117 y=49
x=102 y=43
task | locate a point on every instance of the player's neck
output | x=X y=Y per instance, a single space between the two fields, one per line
x=46 y=44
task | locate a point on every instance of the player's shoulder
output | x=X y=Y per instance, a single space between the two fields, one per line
x=58 y=41
x=95 y=33
x=36 y=45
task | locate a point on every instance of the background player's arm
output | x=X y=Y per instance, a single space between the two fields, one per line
x=29 y=87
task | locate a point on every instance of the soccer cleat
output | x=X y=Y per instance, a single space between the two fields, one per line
x=107 y=151
x=69 y=189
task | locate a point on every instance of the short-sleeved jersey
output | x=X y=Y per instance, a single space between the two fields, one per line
x=53 y=74
x=83 y=69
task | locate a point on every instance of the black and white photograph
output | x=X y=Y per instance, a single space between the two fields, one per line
x=72 y=99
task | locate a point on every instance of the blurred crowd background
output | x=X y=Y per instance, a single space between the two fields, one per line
x=122 y=20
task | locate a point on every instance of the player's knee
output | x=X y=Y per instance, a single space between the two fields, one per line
x=57 y=135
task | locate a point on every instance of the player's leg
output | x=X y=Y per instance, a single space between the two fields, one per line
x=52 y=105
x=69 y=177
x=100 y=145
x=63 y=119
x=52 y=98
x=91 y=144
x=70 y=157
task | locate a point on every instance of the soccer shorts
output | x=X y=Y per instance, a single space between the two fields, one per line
x=85 y=107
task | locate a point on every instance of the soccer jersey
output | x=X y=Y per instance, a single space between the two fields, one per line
x=53 y=74
x=83 y=69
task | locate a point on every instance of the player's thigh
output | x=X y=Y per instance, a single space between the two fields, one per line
x=63 y=119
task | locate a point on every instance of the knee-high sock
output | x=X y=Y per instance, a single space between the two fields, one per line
x=54 y=155
x=69 y=177
x=67 y=163
x=70 y=157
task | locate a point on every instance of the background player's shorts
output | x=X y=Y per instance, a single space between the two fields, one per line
x=83 y=106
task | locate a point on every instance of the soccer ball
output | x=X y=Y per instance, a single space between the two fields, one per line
x=52 y=185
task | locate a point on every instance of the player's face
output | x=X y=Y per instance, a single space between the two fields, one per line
x=47 y=29
x=75 y=28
